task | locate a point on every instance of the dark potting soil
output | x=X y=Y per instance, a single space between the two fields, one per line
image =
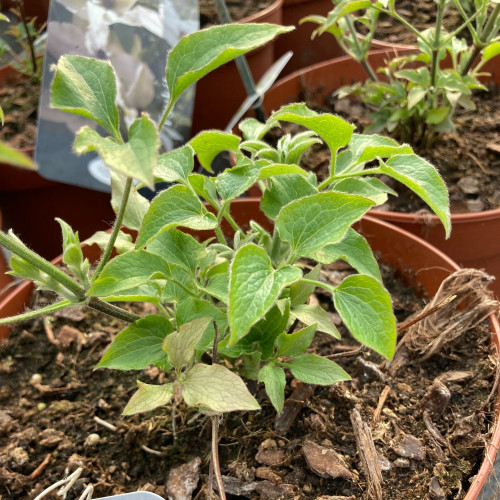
x=238 y=9
x=468 y=159
x=50 y=397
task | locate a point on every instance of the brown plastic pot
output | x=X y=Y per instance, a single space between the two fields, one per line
x=475 y=237
x=306 y=52
x=419 y=264
x=220 y=93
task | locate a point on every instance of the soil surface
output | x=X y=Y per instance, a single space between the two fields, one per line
x=57 y=414
x=238 y=9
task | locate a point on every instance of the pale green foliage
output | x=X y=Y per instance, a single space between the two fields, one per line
x=245 y=289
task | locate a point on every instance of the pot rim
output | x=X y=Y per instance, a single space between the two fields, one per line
x=276 y=5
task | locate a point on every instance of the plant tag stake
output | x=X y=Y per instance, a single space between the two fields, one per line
x=135 y=37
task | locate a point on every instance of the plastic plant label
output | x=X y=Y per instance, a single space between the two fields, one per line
x=135 y=38
x=138 y=495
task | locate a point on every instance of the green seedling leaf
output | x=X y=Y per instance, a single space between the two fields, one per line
x=128 y=270
x=205 y=187
x=253 y=288
x=422 y=178
x=209 y=143
x=282 y=190
x=369 y=187
x=312 y=222
x=201 y=52
x=11 y=156
x=176 y=206
x=148 y=397
x=300 y=292
x=436 y=116
x=139 y=345
x=415 y=95
x=275 y=381
x=366 y=148
x=315 y=315
x=280 y=169
x=294 y=344
x=176 y=165
x=178 y=248
x=235 y=181
x=314 y=369
x=365 y=308
x=354 y=249
x=254 y=130
x=218 y=287
x=216 y=388
x=123 y=242
x=135 y=158
x=335 y=131
x=180 y=346
x=137 y=205
x=490 y=51
x=86 y=87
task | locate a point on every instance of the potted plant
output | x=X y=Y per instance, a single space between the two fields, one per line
x=219 y=299
x=431 y=116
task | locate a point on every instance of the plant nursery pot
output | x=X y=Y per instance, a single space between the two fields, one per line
x=418 y=262
x=5 y=279
x=306 y=52
x=220 y=93
x=475 y=237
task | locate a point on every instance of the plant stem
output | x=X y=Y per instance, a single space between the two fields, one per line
x=368 y=171
x=18 y=248
x=165 y=115
x=31 y=43
x=112 y=310
x=116 y=229
x=318 y=284
x=436 y=46
x=38 y=312
x=360 y=53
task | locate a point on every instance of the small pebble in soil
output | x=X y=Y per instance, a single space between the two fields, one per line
x=270 y=491
x=435 y=490
x=92 y=440
x=183 y=480
x=401 y=463
x=436 y=398
x=269 y=454
x=325 y=462
x=19 y=456
x=410 y=447
x=469 y=185
x=36 y=378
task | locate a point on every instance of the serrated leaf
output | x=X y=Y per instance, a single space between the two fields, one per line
x=201 y=52
x=354 y=249
x=86 y=87
x=422 y=178
x=178 y=248
x=275 y=381
x=135 y=158
x=148 y=397
x=335 y=131
x=139 y=345
x=209 y=143
x=176 y=206
x=294 y=344
x=254 y=286
x=128 y=270
x=180 y=346
x=314 y=369
x=315 y=315
x=282 y=190
x=312 y=222
x=365 y=308
x=175 y=165
x=224 y=392
x=235 y=181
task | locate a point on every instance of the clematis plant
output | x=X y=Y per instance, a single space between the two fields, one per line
x=239 y=298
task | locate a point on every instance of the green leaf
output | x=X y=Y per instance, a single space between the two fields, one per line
x=335 y=131
x=365 y=307
x=180 y=346
x=354 y=249
x=294 y=344
x=314 y=369
x=235 y=181
x=435 y=116
x=275 y=381
x=315 y=315
x=490 y=51
x=178 y=248
x=253 y=288
x=216 y=388
x=128 y=270
x=422 y=178
x=137 y=205
x=205 y=187
x=218 y=287
x=415 y=95
x=280 y=169
x=282 y=190
x=254 y=130
x=175 y=165
x=122 y=244
x=201 y=52
x=315 y=221
x=300 y=292
x=209 y=143
x=135 y=158
x=366 y=148
x=148 y=397
x=11 y=156
x=176 y=206
x=369 y=187
x=86 y=87
x=139 y=345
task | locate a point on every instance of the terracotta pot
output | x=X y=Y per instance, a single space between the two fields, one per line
x=418 y=262
x=5 y=279
x=306 y=52
x=475 y=237
x=220 y=93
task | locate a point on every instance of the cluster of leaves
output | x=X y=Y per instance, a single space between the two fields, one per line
x=415 y=96
x=241 y=297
